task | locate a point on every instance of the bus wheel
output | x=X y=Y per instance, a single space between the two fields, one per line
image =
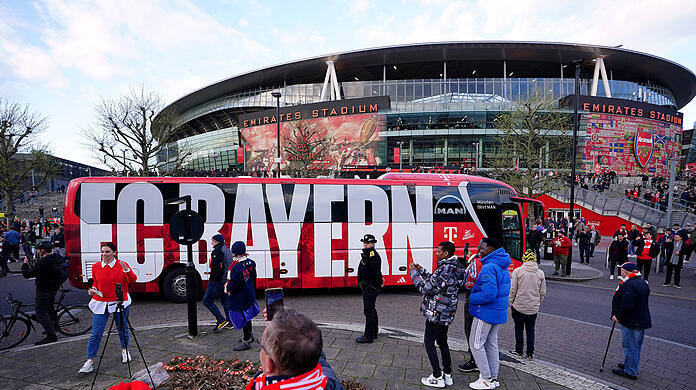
x=174 y=285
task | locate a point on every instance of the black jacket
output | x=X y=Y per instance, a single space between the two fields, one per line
x=625 y=233
x=58 y=240
x=618 y=250
x=217 y=267
x=534 y=238
x=583 y=238
x=630 y=304
x=633 y=234
x=370 y=269
x=669 y=249
x=46 y=274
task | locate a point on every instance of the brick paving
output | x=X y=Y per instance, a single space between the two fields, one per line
x=392 y=362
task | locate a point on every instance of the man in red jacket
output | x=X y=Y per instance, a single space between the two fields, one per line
x=561 y=248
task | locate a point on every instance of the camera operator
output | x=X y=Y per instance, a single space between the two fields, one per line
x=107 y=274
x=291 y=356
x=48 y=281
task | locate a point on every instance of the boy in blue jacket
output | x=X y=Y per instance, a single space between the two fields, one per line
x=488 y=304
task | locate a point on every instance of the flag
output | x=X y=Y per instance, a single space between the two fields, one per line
x=604 y=160
x=397 y=155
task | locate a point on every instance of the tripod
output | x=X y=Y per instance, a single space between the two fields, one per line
x=120 y=312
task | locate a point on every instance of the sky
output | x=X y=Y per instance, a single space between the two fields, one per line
x=62 y=57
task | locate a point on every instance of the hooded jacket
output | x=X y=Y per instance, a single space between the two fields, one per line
x=241 y=284
x=440 y=289
x=527 y=288
x=491 y=293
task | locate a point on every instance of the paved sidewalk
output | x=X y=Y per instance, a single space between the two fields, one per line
x=396 y=360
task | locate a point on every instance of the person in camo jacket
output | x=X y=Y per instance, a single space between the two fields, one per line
x=440 y=298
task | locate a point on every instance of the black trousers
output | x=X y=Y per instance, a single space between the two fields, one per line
x=612 y=265
x=524 y=322
x=3 y=263
x=45 y=310
x=677 y=274
x=468 y=321
x=644 y=267
x=246 y=332
x=437 y=333
x=371 y=320
x=592 y=246
x=585 y=253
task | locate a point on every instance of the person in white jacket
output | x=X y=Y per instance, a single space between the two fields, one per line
x=527 y=290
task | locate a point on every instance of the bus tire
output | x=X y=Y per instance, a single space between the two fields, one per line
x=174 y=285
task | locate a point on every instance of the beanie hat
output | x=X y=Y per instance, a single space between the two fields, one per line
x=238 y=248
x=529 y=256
x=219 y=238
x=628 y=266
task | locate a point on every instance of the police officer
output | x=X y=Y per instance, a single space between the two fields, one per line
x=370 y=281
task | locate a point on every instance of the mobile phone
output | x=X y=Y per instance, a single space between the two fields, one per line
x=274 y=301
x=466 y=247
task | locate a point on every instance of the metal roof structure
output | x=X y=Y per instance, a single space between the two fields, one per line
x=423 y=60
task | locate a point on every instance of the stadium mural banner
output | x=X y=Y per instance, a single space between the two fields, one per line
x=349 y=127
x=628 y=137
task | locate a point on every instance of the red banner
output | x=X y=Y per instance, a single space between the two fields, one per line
x=240 y=155
x=397 y=155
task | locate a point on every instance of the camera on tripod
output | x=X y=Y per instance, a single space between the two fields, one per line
x=119 y=293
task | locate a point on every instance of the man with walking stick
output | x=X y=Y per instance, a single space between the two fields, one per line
x=629 y=308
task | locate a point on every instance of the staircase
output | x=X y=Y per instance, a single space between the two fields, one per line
x=635 y=212
x=46 y=201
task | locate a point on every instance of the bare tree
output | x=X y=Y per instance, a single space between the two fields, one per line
x=132 y=131
x=305 y=143
x=535 y=145
x=21 y=152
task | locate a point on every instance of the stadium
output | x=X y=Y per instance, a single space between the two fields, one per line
x=435 y=104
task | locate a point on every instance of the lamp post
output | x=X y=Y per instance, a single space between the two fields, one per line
x=277 y=95
x=576 y=124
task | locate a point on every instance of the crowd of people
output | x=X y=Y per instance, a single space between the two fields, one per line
x=25 y=234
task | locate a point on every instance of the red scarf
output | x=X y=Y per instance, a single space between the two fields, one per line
x=314 y=379
x=631 y=275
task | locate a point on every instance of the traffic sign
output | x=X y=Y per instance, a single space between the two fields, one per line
x=179 y=227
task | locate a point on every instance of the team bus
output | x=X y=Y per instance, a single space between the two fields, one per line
x=302 y=233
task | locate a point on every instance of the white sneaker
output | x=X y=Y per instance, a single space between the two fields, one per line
x=126 y=356
x=432 y=381
x=496 y=382
x=611 y=277
x=87 y=367
x=448 y=379
x=482 y=383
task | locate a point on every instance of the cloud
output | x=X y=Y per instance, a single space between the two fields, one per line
x=358 y=8
x=101 y=40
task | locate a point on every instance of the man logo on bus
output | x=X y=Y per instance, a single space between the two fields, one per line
x=449 y=205
x=643 y=147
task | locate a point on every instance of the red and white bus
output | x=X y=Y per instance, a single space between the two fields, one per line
x=302 y=233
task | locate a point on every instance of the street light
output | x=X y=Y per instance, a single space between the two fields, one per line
x=576 y=124
x=277 y=95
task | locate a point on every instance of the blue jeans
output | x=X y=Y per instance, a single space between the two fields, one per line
x=98 y=324
x=631 y=249
x=632 y=342
x=215 y=290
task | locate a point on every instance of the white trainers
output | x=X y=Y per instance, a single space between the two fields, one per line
x=433 y=381
x=482 y=383
x=448 y=379
x=87 y=367
x=496 y=382
x=611 y=277
x=125 y=356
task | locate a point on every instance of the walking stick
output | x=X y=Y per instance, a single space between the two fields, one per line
x=613 y=325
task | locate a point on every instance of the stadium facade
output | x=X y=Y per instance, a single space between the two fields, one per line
x=435 y=104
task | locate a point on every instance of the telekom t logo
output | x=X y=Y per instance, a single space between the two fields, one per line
x=450 y=233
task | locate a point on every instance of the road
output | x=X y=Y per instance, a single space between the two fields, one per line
x=572 y=327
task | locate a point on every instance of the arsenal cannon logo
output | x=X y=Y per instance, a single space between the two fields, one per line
x=643 y=147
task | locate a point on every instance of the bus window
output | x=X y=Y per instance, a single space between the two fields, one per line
x=512 y=231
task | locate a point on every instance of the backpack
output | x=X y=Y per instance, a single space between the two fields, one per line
x=60 y=265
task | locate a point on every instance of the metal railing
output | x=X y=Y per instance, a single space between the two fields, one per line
x=630 y=210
